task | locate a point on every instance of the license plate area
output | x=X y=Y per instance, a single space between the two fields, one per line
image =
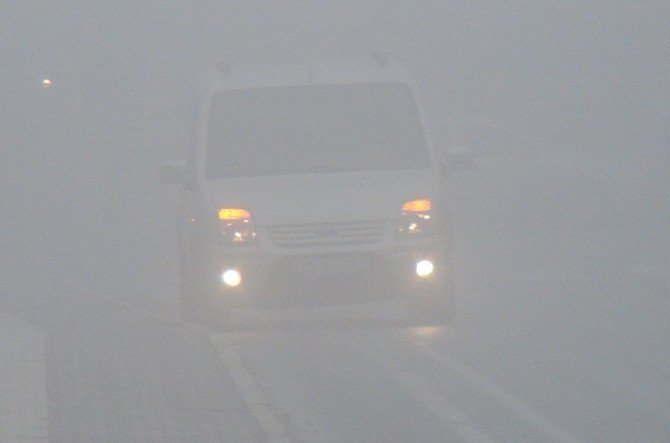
x=333 y=265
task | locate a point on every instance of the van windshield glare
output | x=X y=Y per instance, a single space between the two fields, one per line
x=314 y=129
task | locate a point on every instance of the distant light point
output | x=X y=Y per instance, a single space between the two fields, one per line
x=46 y=83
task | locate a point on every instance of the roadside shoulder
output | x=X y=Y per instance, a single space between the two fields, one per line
x=23 y=402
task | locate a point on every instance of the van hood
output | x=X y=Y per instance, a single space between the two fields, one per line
x=321 y=198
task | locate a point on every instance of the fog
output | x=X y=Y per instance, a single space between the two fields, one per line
x=559 y=222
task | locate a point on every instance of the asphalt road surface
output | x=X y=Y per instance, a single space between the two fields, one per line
x=551 y=343
x=119 y=372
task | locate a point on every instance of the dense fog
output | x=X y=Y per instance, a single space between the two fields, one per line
x=561 y=230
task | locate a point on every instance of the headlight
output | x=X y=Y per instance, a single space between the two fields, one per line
x=415 y=217
x=236 y=225
x=231 y=278
x=424 y=268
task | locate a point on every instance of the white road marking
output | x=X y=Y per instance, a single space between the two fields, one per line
x=417 y=387
x=249 y=390
x=421 y=391
x=509 y=401
x=253 y=397
x=425 y=394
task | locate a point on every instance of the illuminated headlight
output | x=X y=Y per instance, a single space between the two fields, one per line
x=424 y=268
x=415 y=217
x=231 y=277
x=236 y=225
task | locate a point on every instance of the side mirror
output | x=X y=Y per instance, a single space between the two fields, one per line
x=173 y=174
x=460 y=158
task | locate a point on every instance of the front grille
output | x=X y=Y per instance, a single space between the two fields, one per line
x=327 y=234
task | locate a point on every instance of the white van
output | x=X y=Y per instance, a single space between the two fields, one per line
x=314 y=176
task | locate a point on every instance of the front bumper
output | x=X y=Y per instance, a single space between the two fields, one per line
x=390 y=269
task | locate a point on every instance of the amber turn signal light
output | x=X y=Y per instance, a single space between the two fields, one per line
x=234 y=214
x=422 y=205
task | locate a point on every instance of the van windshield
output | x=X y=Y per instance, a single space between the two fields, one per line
x=314 y=129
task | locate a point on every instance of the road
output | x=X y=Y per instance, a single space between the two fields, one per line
x=561 y=335
x=117 y=372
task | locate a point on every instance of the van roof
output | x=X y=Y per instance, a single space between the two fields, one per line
x=305 y=73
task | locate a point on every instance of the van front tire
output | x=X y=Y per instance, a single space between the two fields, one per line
x=433 y=306
x=201 y=303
